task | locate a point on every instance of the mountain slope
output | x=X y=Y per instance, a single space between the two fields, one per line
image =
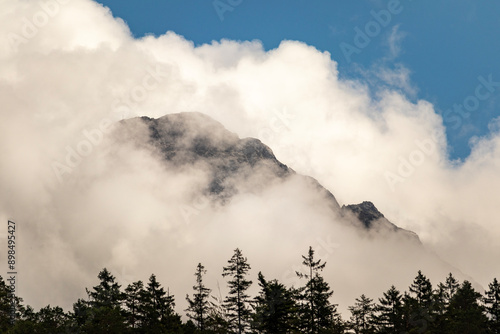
x=371 y=218
x=187 y=139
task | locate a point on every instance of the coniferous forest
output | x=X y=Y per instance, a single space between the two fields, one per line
x=450 y=307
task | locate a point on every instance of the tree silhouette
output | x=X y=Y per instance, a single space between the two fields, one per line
x=389 y=318
x=275 y=308
x=318 y=314
x=465 y=313
x=158 y=307
x=492 y=304
x=199 y=306
x=102 y=313
x=237 y=301
x=362 y=316
x=134 y=314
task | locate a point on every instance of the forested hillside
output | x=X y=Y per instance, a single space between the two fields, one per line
x=449 y=307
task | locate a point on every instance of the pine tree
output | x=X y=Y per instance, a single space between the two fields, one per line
x=133 y=304
x=465 y=314
x=158 y=308
x=103 y=313
x=442 y=299
x=419 y=305
x=107 y=293
x=492 y=304
x=199 y=305
x=448 y=289
x=275 y=308
x=362 y=316
x=389 y=318
x=421 y=288
x=318 y=314
x=237 y=301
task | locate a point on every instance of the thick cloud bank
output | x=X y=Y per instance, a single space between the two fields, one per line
x=69 y=71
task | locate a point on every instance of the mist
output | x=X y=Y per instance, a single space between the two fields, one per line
x=84 y=199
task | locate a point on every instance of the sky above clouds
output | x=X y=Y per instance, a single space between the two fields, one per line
x=370 y=129
x=441 y=47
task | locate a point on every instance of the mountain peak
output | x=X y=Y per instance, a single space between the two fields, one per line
x=366 y=212
x=190 y=137
x=233 y=164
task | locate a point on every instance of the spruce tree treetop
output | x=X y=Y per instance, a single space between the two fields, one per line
x=103 y=313
x=161 y=302
x=448 y=289
x=389 y=318
x=465 y=312
x=318 y=314
x=199 y=305
x=133 y=304
x=276 y=308
x=314 y=266
x=421 y=288
x=362 y=315
x=107 y=293
x=158 y=308
x=236 y=302
x=492 y=304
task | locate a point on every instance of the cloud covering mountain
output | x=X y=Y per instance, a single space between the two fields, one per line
x=70 y=71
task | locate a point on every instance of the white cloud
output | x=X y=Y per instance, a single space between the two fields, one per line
x=394 y=42
x=399 y=77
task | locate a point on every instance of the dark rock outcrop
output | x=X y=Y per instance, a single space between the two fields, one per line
x=196 y=139
x=371 y=218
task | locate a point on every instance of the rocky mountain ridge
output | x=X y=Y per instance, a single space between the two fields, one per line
x=192 y=138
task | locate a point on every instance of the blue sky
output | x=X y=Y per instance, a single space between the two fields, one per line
x=446 y=45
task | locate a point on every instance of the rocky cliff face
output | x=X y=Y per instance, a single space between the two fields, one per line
x=369 y=216
x=366 y=212
x=195 y=139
